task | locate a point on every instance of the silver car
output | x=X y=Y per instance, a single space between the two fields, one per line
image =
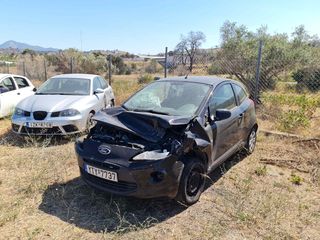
x=64 y=104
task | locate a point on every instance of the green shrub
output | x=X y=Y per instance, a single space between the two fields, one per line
x=308 y=78
x=293 y=119
x=145 y=78
x=151 y=67
x=214 y=69
x=295 y=179
x=261 y=171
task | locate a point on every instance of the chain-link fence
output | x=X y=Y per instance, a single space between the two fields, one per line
x=258 y=74
x=285 y=86
x=284 y=83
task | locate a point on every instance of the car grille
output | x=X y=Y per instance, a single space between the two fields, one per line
x=41 y=131
x=70 y=128
x=39 y=115
x=120 y=186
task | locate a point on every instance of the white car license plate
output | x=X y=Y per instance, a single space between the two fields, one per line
x=101 y=173
x=39 y=125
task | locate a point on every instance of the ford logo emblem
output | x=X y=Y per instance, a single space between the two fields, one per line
x=104 y=149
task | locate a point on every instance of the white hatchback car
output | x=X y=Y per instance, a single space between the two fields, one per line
x=64 y=104
x=13 y=89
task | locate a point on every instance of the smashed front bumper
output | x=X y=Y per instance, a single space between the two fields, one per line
x=141 y=179
x=58 y=125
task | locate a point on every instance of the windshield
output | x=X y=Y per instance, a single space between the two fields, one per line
x=65 y=86
x=169 y=98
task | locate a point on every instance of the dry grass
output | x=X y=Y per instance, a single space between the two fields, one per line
x=42 y=197
x=254 y=197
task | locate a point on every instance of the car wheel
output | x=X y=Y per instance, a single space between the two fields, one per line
x=90 y=122
x=251 y=141
x=112 y=103
x=192 y=182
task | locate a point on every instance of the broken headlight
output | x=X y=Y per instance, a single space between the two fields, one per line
x=151 y=155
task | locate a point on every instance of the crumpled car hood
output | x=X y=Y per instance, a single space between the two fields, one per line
x=149 y=126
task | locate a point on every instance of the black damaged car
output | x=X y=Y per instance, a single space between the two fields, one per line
x=165 y=138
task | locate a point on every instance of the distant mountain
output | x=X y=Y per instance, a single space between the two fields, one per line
x=21 y=46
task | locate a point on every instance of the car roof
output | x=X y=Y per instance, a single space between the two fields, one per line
x=213 y=81
x=4 y=75
x=76 y=75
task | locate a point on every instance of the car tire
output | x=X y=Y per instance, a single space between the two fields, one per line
x=192 y=182
x=251 y=141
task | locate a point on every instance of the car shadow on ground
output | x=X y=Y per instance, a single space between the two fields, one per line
x=9 y=138
x=217 y=173
x=76 y=203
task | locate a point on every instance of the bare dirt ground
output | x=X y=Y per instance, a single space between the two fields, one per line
x=272 y=194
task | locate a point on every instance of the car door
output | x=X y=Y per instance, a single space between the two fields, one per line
x=246 y=107
x=107 y=90
x=226 y=131
x=24 y=86
x=100 y=99
x=9 y=96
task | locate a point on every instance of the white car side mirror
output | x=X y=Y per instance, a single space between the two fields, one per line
x=98 y=91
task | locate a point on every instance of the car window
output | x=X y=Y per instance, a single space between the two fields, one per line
x=8 y=84
x=240 y=93
x=103 y=83
x=222 y=98
x=21 y=82
x=176 y=98
x=65 y=86
x=96 y=84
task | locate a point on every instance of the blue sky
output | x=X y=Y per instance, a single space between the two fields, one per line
x=144 y=26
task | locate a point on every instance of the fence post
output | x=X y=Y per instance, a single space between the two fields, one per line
x=24 y=68
x=8 y=68
x=165 y=62
x=109 y=67
x=256 y=90
x=45 y=69
x=71 y=65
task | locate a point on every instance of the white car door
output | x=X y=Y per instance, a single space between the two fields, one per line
x=25 y=87
x=100 y=97
x=9 y=96
x=107 y=91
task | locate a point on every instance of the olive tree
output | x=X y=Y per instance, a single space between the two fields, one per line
x=188 y=47
x=239 y=49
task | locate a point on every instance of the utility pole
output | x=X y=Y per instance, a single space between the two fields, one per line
x=256 y=91
x=165 y=62
x=109 y=67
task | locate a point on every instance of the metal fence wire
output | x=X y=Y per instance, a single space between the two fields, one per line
x=285 y=86
x=259 y=75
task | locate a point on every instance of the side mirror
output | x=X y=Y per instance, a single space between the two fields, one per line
x=98 y=91
x=222 y=114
